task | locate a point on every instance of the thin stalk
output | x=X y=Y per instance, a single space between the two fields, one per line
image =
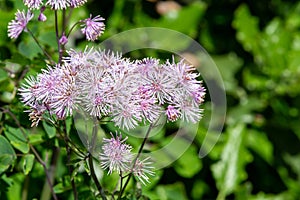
x=70 y=167
x=90 y=160
x=46 y=192
x=63 y=30
x=74 y=25
x=64 y=22
x=94 y=177
x=121 y=183
x=40 y=46
x=134 y=161
x=57 y=37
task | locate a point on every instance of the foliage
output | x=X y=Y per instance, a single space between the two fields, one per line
x=256 y=48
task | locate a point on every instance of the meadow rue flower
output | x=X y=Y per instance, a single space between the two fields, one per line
x=116 y=155
x=77 y=3
x=63 y=40
x=33 y=4
x=190 y=112
x=93 y=27
x=105 y=84
x=36 y=113
x=54 y=87
x=42 y=17
x=172 y=113
x=16 y=26
x=28 y=91
x=58 y=4
x=142 y=169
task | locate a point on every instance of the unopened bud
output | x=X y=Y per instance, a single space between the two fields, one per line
x=42 y=17
x=63 y=40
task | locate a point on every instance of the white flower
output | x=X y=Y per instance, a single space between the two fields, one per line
x=116 y=155
x=93 y=27
x=58 y=4
x=33 y=4
x=142 y=169
x=18 y=25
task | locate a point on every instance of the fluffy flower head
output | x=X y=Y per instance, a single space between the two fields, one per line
x=116 y=154
x=77 y=3
x=93 y=27
x=33 y=4
x=142 y=169
x=16 y=26
x=58 y=4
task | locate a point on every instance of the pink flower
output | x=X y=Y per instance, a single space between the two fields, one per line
x=58 y=4
x=93 y=28
x=172 y=113
x=28 y=91
x=116 y=155
x=142 y=169
x=16 y=26
x=42 y=17
x=77 y=3
x=33 y=4
x=63 y=40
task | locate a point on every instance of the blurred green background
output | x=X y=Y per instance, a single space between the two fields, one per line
x=256 y=46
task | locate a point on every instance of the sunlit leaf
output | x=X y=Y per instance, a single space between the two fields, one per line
x=189 y=163
x=17 y=139
x=27 y=163
x=50 y=130
x=229 y=171
x=6 y=149
x=175 y=191
x=260 y=143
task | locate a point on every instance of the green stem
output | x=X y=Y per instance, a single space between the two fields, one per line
x=134 y=161
x=70 y=167
x=57 y=37
x=94 y=177
x=40 y=46
x=74 y=25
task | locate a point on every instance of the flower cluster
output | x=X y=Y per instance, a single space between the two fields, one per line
x=105 y=84
x=53 y=91
x=92 y=28
x=54 y=4
x=117 y=156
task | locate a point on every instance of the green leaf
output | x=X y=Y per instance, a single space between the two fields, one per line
x=63 y=186
x=48 y=38
x=36 y=138
x=50 y=130
x=5 y=17
x=20 y=59
x=184 y=20
x=5 y=183
x=7 y=154
x=259 y=142
x=29 y=49
x=228 y=65
x=183 y=165
x=247 y=27
x=229 y=171
x=17 y=139
x=199 y=189
x=3 y=75
x=27 y=163
x=175 y=191
x=15 y=190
